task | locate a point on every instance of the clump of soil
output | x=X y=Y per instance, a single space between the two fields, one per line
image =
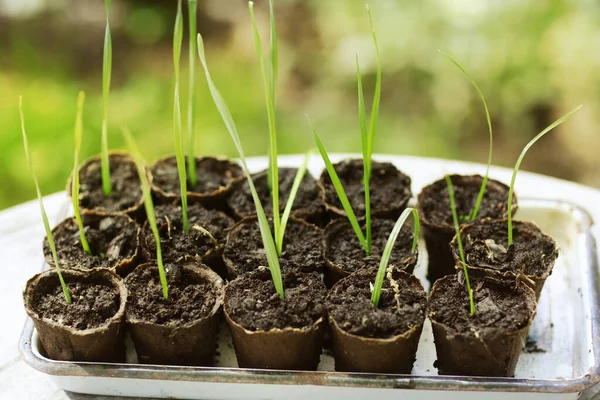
x=402 y=304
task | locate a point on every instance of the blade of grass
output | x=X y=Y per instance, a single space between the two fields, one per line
x=75 y=178
x=475 y=211
x=192 y=9
x=265 y=231
x=362 y=117
x=269 y=88
x=149 y=206
x=377 y=96
x=49 y=235
x=460 y=246
x=520 y=159
x=106 y=74
x=339 y=188
x=389 y=246
x=274 y=52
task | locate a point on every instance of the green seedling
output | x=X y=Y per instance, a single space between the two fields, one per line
x=149 y=205
x=192 y=7
x=49 y=235
x=367 y=137
x=518 y=164
x=473 y=215
x=460 y=246
x=265 y=231
x=387 y=251
x=75 y=179
x=106 y=73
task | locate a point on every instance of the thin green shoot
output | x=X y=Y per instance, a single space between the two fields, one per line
x=75 y=178
x=389 y=246
x=149 y=205
x=364 y=135
x=473 y=215
x=192 y=9
x=520 y=159
x=300 y=173
x=460 y=246
x=265 y=231
x=377 y=96
x=269 y=88
x=177 y=129
x=49 y=235
x=106 y=74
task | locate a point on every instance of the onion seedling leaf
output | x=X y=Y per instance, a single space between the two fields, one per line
x=75 y=176
x=106 y=75
x=192 y=9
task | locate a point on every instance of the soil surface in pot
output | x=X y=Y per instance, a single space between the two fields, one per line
x=486 y=245
x=252 y=302
x=190 y=297
x=175 y=242
x=94 y=301
x=434 y=203
x=389 y=188
x=126 y=187
x=112 y=240
x=212 y=174
x=302 y=246
x=402 y=304
x=343 y=248
x=307 y=203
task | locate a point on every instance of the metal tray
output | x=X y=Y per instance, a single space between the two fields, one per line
x=564 y=361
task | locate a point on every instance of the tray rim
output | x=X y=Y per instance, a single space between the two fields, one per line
x=343 y=379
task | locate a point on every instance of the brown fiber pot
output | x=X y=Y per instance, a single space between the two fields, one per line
x=192 y=343
x=436 y=216
x=474 y=346
x=104 y=343
x=530 y=259
x=390 y=353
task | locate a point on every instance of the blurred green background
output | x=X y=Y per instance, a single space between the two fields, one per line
x=534 y=60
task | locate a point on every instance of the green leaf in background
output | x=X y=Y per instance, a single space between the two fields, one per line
x=192 y=10
x=75 y=175
x=106 y=74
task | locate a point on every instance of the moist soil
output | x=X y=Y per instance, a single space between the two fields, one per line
x=402 y=304
x=252 y=302
x=307 y=205
x=343 y=248
x=302 y=246
x=126 y=188
x=175 y=242
x=112 y=241
x=389 y=188
x=212 y=174
x=486 y=245
x=94 y=301
x=190 y=297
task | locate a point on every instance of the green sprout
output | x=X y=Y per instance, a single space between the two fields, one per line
x=473 y=215
x=149 y=205
x=518 y=164
x=265 y=231
x=387 y=251
x=106 y=73
x=177 y=40
x=75 y=179
x=49 y=235
x=367 y=137
x=460 y=246
x=192 y=7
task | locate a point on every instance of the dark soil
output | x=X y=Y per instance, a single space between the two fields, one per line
x=212 y=174
x=434 y=203
x=499 y=306
x=112 y=241
x=307 y=204
x=389 y=188
x=251 y=300
x=94 y=301
x=402 y=304
x=344 y=249
x=302 y=246
x=190 y=297
x=175 y=242
x=126 y=188
x=486 y=245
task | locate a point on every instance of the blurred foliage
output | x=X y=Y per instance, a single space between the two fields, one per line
x=533 y=59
